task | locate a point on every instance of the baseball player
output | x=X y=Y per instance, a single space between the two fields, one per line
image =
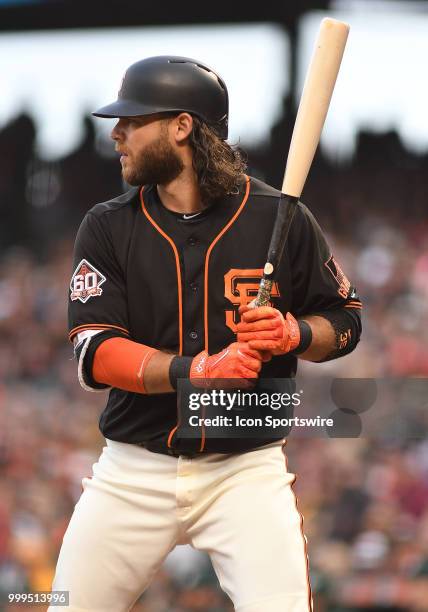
x=162 y=282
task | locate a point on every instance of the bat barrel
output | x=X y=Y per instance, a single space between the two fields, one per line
x=314 y=103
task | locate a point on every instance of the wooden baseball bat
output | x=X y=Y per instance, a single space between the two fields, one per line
x=311 y=114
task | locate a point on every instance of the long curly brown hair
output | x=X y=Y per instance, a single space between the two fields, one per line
x=219 y=167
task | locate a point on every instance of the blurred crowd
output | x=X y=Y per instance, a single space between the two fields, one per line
x=364 y=500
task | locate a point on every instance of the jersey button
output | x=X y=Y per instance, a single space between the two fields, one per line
x=194 y=286
x=193 y=335
x=192 y=240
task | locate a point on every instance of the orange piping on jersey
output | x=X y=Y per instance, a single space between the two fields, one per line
x=180 y=304
x=357 y=305
x=95 y=326
x=202 y=445
x=171 y=434
x=310 y=609
x=207 y=257
x=177 y=265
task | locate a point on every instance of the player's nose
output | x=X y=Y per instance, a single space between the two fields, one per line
x=118 y=131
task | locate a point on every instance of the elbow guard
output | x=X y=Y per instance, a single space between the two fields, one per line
x=84 y=351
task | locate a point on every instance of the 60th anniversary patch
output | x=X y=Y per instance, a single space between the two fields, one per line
x=86 y=282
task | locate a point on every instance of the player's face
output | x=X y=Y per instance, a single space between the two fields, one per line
x=147 y=156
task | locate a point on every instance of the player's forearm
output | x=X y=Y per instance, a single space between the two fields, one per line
x=335 y=333
x=316 y=337
x=323 y=339
x=119 y=362
x=131 y=366
x=156 y=375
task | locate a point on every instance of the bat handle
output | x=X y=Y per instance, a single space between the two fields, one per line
x=263 y=294
x=286 y=208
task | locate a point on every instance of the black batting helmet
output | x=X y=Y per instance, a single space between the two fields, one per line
x=165 y=84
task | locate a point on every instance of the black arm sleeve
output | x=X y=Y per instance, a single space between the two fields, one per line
x=346 y=323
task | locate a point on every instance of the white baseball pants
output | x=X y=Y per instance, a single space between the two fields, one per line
x=239 y=508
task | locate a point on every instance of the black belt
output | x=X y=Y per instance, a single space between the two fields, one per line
x=165 y=450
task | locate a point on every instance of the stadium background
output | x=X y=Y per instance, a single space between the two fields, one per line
x=364 y=500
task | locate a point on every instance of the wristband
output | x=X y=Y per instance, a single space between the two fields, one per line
x=305 y=338
x=179 y=368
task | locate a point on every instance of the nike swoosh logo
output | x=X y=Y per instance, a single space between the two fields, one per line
x=191 y=216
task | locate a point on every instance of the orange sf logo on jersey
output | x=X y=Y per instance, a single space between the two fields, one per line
x=240 y=288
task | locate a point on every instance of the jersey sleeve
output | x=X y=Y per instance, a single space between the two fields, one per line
x=318 y=282
x=97 y=297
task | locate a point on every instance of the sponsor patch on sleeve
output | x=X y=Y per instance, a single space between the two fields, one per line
x=338 y=275
x=86 y=282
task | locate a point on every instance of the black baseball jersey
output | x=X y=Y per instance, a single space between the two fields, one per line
x=175 y=282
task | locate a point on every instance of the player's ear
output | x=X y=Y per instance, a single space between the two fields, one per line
x=182 y=127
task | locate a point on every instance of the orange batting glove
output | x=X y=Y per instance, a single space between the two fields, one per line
x=237 y=360
x=265 y=329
